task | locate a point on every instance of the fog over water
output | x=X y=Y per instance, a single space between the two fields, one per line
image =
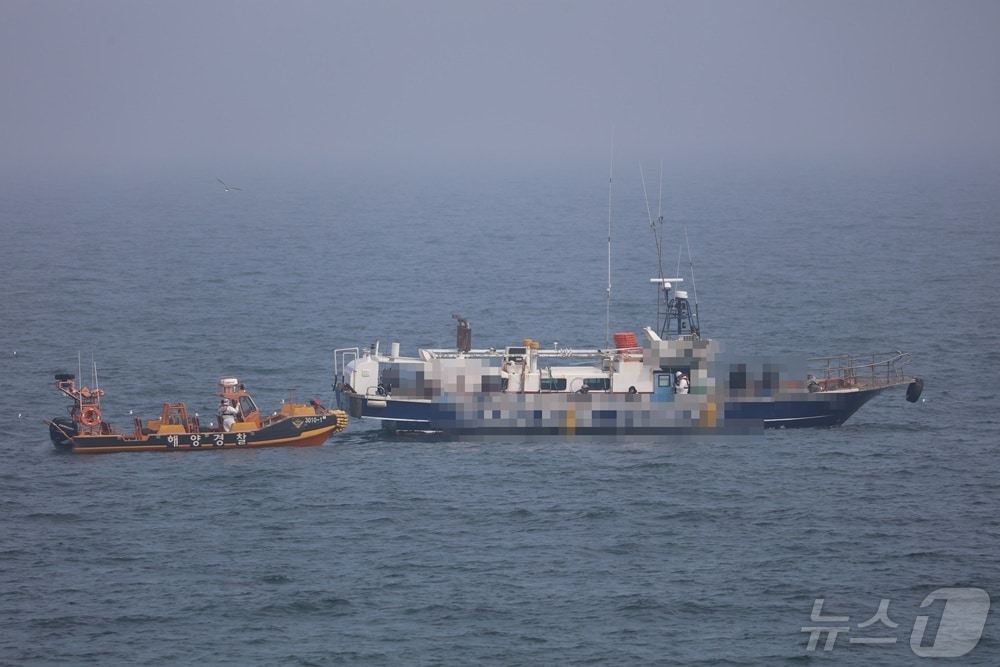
x=229 y=88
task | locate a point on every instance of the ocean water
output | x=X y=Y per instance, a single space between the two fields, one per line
x=378 y=551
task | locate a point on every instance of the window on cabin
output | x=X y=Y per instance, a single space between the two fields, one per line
x=552 y=384
x=669 y=379
x=738 y=377
x=246 y=406
x=493 y=383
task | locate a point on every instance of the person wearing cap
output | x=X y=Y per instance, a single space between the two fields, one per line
x=681 y=384
x=227 y=415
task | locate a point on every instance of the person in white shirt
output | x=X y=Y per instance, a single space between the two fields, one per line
x=227 y=415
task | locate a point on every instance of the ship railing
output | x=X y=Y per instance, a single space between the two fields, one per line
x=432 y=353
x=868 y=371
x=628 y=352
x=558 y=353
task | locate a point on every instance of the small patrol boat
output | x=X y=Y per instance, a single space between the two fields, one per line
x=240 y=424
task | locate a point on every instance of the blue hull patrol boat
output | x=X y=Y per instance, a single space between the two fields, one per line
x=675 y=383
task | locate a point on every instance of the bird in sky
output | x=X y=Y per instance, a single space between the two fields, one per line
x=226 y=186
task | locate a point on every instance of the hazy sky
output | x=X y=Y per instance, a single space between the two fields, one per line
x=105 y=83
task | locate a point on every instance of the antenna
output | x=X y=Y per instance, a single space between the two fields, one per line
x=607 y=308
x=79 y=374
x=676 y=306
x=658 y=239
x=694 y=286
x=659 y=212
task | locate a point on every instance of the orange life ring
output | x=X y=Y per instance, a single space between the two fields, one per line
x=90 y=416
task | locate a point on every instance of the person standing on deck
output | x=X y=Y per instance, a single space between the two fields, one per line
x=227 y=415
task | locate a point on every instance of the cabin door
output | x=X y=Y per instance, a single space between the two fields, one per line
x=663 y=386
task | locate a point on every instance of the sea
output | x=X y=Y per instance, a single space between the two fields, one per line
x=877 y=542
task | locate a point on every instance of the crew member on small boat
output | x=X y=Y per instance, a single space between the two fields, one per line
x=681 y=384
x=227 y=415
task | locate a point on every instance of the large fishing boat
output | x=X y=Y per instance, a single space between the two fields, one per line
x=240 y=424
x=674 y=384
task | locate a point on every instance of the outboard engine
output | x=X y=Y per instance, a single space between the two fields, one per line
x=61 y=432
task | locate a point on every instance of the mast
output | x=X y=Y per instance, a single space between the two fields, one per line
x=663 y=284
x=607 y=308
x=678 y=318
x=694 y=285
